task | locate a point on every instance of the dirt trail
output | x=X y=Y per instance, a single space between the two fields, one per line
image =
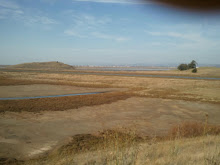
x=28 y=134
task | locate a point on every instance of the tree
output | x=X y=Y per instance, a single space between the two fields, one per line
x=183 y=67
x=192 y=64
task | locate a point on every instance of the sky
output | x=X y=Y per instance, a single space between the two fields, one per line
x=106 y=32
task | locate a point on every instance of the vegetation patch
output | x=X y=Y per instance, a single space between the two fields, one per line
x=124 y=146
x=5 y=81
x=191 y=65
x=193 y=129
x=61 y=103
x=103 y=140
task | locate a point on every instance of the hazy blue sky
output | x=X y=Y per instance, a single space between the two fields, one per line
x=105 y=32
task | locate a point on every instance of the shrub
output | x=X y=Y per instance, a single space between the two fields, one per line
x=194 y=70
x=183 y=67
x=192 y=64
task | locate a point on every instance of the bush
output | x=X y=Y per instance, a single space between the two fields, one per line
x=192 y=64
x=183 y=67
x=194 y=70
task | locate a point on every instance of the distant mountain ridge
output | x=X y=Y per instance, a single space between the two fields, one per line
x=53 y=65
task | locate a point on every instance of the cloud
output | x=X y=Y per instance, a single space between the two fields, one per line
x=39 y=20
x=90 y=20
x=76 y=33
x=193 y=40
x=8 y=4
x=86 y=25
x=9 y=9
x=116 y=1
x=109 y=37
x=187 y=36
x=49 y=1
x=86 y=20
x=72 y=32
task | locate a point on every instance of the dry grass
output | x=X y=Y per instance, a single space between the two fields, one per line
x=189 y=143
x=123 y=146
x=61 y=103
x=106 y=139
x=193 y=129
x=5 y=81
x=188 y=89
x=203 y=150
x=109 y=142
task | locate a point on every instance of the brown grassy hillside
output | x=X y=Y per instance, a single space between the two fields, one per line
x=54 y=65
x=113 y=147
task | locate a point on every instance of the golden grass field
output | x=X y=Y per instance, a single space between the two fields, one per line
x=183 y=89
x=152 y=107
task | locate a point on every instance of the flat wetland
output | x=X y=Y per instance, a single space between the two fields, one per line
x=151 y=106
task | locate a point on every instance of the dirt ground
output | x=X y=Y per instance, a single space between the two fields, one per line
x=27 y=134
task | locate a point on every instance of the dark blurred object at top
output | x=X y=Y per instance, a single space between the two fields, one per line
x=200 y=5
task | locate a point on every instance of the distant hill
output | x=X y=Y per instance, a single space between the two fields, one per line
x=43 y=66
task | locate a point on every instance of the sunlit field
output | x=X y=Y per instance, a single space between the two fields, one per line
x=138 y=120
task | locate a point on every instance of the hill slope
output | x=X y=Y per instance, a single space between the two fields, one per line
x=194 y=151
x=43 y=66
